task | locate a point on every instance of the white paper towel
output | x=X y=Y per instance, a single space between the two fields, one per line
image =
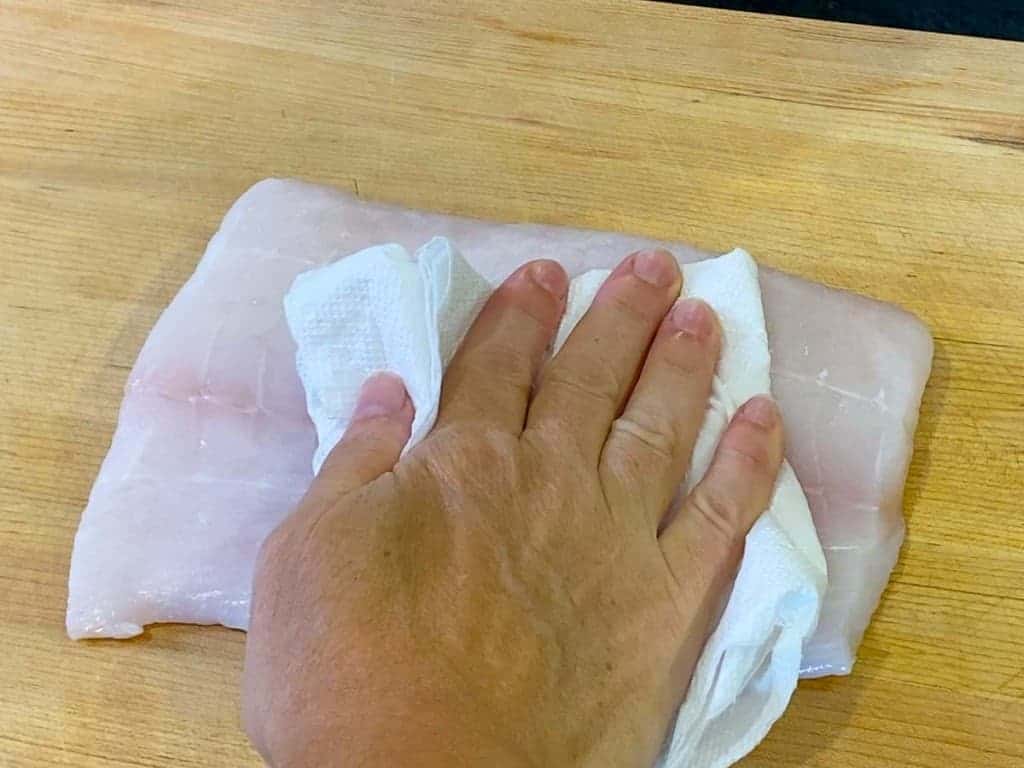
x=381 y=310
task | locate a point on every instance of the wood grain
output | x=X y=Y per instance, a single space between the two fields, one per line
x=887 y=162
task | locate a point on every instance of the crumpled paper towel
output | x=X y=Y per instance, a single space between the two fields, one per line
x=380 y=310
x=383 y=310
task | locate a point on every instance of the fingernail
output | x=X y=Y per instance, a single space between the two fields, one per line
x=760 y=410
x=656 y=267
x=383 y=394
x=549 y=276
x=693 y=316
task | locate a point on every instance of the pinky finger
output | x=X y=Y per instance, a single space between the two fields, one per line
x=703 y=545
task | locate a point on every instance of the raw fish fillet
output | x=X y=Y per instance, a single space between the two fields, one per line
x=213 y=444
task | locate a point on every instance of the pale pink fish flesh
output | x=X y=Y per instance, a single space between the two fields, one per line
x=213 y=443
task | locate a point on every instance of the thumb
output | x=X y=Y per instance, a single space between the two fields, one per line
x=372 y=444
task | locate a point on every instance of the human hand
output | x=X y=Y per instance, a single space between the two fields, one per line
x=513 y=592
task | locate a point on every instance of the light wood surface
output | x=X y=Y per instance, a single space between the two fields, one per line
x=887 y=162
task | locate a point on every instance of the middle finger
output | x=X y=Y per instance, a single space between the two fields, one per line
x=585 y=386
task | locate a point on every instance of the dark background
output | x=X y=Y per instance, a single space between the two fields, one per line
x=981 y=18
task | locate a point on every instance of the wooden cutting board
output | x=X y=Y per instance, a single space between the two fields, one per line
x=886 y=162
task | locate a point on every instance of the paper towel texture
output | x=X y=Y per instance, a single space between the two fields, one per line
x=381 y=309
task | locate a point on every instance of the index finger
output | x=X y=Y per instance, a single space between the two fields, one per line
x=491 y=376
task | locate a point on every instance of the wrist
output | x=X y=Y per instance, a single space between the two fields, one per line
x=375 y=738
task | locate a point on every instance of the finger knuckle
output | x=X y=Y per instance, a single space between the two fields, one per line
x=722 y=514
x=590 y=382
x=686 y=357
x=644 y=443
x=473 y=452
x=752 y=457
x=359 y=458
x=374 y=431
